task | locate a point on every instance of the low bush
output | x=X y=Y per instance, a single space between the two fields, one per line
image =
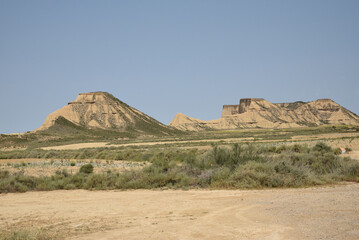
x=28 y=234
x=87 y=168
x=241 y=166
x=322 y=148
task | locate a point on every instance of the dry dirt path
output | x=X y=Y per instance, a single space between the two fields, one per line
x=335 y=140
x=107 y=144
x=311 y=213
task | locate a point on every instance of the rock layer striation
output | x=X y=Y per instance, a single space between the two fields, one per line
x=104 y=111
x=259 y=113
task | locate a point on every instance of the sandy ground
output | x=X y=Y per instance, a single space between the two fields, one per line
x=104 y=144
x=77 y=146
x=354 y=155
x=310 y=213
x=48 y=167
x=335 y=140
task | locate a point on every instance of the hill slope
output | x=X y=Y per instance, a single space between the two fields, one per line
x=101 y=110
x=259 y=113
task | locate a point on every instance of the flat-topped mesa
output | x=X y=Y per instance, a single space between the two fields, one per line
x=324 y=100
x=242 y=107
x=259 y=113
x=324 y=105
x=229 y=110
x=103 y=111
x=248 y=101
x=90 y=98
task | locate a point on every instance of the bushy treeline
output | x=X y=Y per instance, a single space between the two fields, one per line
x=238 y=166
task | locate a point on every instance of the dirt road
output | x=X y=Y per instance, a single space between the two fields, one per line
x=334 y=140
x=311 y=213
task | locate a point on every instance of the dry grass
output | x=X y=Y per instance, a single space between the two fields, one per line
x=46 y=167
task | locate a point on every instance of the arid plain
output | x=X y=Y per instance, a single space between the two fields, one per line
x=100 y=169
x=323 y=212
x=329 y=212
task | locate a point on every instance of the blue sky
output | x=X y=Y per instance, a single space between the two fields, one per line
x=165 y=57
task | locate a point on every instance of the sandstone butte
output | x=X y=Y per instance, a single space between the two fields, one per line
x=259 y=113
x=102 y=110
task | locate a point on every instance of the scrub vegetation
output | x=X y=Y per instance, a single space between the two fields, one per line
x=28 y=234
x=239 y=166
x=65 y=132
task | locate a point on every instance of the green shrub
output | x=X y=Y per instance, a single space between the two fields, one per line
x=87 y=168
x=353 y=171
x=221 y=176
x=4 y=174
x=337 y=151
x=282 y=168
x=241 y=166
x=271 y=149
x=221 y=155
x=50 y=154
x=281 y=149
x=62 y=172
x=251 y=175
x=298 y=148
x=19 y=187
x=321 y=147
x=325 y=164
x=28 y=234
x=347 y=149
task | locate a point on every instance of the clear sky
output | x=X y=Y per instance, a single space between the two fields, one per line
x=165 y=57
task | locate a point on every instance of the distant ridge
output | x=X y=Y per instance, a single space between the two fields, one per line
x=259 y=113
x=101 y=110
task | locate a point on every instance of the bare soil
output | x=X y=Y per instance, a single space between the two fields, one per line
x=330 y=212
x=77 y=146
x=335 y=140
x=46 y=167
x=354 y=154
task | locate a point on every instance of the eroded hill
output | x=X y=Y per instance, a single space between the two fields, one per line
x=259 y=113
x=101 y=110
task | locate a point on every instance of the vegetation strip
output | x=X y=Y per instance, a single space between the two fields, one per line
x=240 y=166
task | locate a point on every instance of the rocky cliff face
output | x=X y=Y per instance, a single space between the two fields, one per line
x=104 y=111
x=259 y=113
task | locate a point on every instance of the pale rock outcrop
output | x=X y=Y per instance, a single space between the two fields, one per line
x=102 y=110
x=259 y=113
